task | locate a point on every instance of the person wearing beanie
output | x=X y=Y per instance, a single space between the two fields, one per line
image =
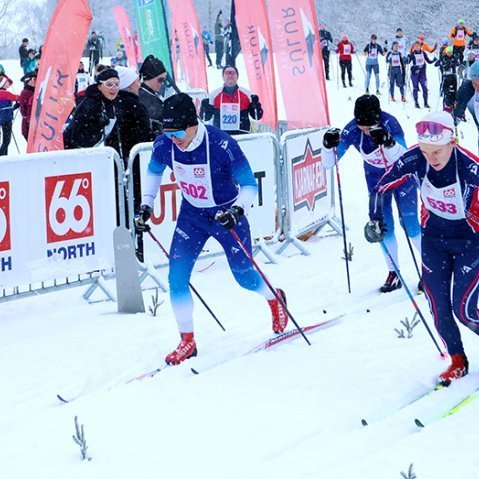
x=396 y=70
x=458 y=36
x=372 y=51
x=231 y=106
x=23 y=52
x=8 y=103
x=26 y=101
x=94 y=121
x=418 y=58
x=82 y=81
x=448 y=182
x=218 y=188
x=379 y=139
x=153 y=73
x=425 y=47
x=345 y=49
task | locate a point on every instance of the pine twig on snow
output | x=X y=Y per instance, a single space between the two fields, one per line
x=410 y=474
x=79 y=438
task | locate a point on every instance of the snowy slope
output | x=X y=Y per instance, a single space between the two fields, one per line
x=291 y=412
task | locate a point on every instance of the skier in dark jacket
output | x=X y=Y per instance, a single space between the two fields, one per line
x=448 y=64
x=325 y=38
x=418 y=58
x=94 y=48
x=26 y=101
x=23 y=51
x=8 y=102
x=153 y=73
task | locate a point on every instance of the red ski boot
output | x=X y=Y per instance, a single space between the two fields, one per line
x=280 y=318
x=459 y=367
x=185 y=350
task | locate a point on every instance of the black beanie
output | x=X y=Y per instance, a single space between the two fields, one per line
x=151 y=68
x=179 y=112
x=106 y=74
x=367 y=110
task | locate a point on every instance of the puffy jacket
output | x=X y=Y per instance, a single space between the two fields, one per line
x=26 y=104
x=6 y=106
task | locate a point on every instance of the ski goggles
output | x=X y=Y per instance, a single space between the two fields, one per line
x=432 y=127
x=175 y=134
x=111 y=84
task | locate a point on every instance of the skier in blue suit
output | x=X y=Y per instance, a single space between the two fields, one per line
x=218 y=188
x=379 y=138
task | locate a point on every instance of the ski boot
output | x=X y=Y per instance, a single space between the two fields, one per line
x=426 y=105
x=392 y=282
x=378 y=93
x=459 y=367
x=420 y=288
x=403 y=99
x=185 y=350
x=367 y=91
x=350 y=83
x=278 y=313
x=392 y=98
x=416 y=104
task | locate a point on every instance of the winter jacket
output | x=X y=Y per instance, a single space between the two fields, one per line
x=23 y=53
x=342 y=48
x=373 y=50
x=134 y=123
x=154 y=106
x=414 y=58
x=464 y=94
x=212 y=107
x=6 y=106
x=325 y=39
x=94 y=122
x=26 y=104
x=448 y=65
x=458 y=36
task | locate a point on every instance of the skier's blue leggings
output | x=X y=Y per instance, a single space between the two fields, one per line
x=406 y=200
x=444 y=259
x=395 y=77
x=369 y=70
x=193 y=228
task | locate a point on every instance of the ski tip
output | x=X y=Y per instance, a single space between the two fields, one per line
x=62 y=400
x=418 y=423
x=194 y=371
x=364 y=422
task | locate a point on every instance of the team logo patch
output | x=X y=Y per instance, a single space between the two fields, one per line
x=450 y=193
x=199 y=172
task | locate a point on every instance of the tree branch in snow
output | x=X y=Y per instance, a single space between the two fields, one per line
x=79 y=438
x=410 y=474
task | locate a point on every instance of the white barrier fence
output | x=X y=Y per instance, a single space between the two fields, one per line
x=57 y=209
x=57 y=215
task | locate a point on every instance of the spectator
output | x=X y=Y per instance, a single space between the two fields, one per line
x=30 y=63
x=226 y=32
x=94 y=48
x=219 y=43
x=120 y=59
x=81 y=83
x=206 y=35
x=231 y=105
x=26 y=101
x=23 y=51
x=153 y=73
x=7 y=106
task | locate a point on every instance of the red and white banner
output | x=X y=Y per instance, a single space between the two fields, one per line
x=127 y=36
x=298 y=60
x=54 y=94
x=71 y=205
x=255 y=38
x=192 y=54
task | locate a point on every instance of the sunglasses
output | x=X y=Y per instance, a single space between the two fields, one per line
x=111 y=85
x=175 y=134
x=432 y=127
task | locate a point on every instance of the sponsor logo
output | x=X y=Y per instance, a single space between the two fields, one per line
x=5 y=240
x=199 y=172
x=450 y=193
x=466 y=269
x=69 y=207
x=309 y=36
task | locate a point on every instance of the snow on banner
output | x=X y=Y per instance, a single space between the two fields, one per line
x=54 y=96
x=255 y=38
x=192 y=55
x=124 y=27
x=298 y=60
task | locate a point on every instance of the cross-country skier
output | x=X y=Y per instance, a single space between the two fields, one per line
x=396 y=69
x=448 y=65
x=449 y=183
x=418 y=58
x=372 y=51
x=458 y=37
x=379 y=138
x=345 y=49
x=218 y=188
x=325 y=39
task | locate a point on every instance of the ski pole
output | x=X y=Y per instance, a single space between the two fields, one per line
x=15 y=141
x=153 y=237
x=360 y=64
x=341 y=209
x=416 y=307
x=401 y=217
x=276 y=295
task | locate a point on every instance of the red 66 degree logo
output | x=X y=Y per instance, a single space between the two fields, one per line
x=5 y=242
x=68 y=200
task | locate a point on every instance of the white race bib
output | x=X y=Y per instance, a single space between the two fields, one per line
x=395 y=60
x=230 y=116
x=460 y=34
x=373 y=53
x=347 y=49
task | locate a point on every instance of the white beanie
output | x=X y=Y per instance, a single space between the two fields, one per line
x=442 y=118
x=127 y=76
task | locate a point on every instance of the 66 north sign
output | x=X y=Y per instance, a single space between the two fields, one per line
x=5 y=241
x=69 y=211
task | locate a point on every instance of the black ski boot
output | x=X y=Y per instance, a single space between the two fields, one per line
x=392 y=282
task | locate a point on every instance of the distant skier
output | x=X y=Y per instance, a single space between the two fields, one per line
x=82 y=82
x=448 y=65
x=26 y=101
x=458 y=37
x=215 y=200
x=418 y=58
x=372 y=51
x=345 y=49
x=8 y=103
x=207 y=40
x=23 y=52
x=379 y=139
x=325 y=39
x=396 y=68
x=449 y=185
x=94 y=48
x=402 y=42
x=424 y=46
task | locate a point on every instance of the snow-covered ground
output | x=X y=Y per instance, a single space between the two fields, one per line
x=291 y=412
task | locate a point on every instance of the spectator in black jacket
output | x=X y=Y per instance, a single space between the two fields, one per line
x=94 y=48
x=94 y=122
x=153 y=73
x=23 y=51
x=325 y=39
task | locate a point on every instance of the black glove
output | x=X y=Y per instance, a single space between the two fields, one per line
x=229 y=218
x=220 y=12
x=331 y=138
x=141 y=218
x=374 y=231
x=381 y=136
x=205 y=106
x=16 y=106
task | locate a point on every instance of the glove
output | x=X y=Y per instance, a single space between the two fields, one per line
x=16 y=106
x=374 y=231
x=254 y=99
x=141 y=218
x=229 y=218
x=255 y=107
x=205 y=104
x=331 y=138
x=220 y=12
x=381 y=136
